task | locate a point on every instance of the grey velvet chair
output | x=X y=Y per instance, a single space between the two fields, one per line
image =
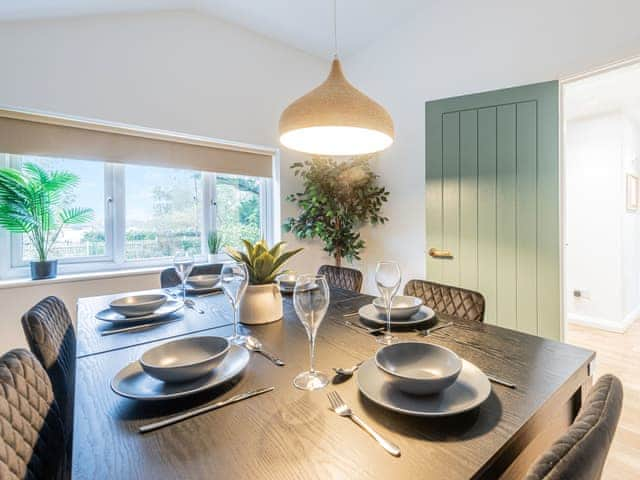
x=342 y=277
x=581 y=452
x=169 y=278
x=31 y=431
x=448 y=300
x=51 y=336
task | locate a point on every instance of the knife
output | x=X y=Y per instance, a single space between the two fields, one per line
x=214 y=406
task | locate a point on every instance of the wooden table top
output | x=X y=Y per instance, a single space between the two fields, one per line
x=292 y=434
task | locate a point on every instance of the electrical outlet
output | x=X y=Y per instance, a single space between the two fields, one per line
x=582 y=294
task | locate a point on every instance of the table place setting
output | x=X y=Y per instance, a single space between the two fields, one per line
x=139 y=312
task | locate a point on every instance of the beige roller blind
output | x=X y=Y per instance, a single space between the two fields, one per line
x=54 y=136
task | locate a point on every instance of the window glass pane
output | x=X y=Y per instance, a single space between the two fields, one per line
x=163 y=212
x=80 y=240
x=238 y=208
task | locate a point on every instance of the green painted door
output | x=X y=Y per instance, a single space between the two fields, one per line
x=493 y=202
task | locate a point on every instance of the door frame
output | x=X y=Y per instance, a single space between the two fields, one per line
x=563 y=81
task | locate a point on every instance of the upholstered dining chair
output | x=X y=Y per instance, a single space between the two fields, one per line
x=448 y=300
x=582 y=450
x=31 y=431
x=342 y=277
x=52 y=339
x=169 y=278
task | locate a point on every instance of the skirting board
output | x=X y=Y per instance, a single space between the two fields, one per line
x=604 y=324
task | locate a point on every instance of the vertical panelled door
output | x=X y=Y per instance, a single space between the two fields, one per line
x=493 y=216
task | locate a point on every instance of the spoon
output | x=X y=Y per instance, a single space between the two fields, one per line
x=255 y=345
x=193 y=306
x=347 y=372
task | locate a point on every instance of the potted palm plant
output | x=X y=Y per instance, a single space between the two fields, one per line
x=32 y=203
x=262 y=301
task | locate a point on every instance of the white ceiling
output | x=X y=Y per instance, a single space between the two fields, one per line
x=303 y=24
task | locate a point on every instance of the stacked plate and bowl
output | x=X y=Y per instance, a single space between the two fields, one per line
x=179 y=368
x=406 y=311
x=139 y=308
x=422 y=379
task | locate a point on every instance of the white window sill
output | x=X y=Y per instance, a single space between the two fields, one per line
x=79 y=277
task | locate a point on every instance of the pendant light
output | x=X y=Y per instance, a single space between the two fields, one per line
x=336 y=118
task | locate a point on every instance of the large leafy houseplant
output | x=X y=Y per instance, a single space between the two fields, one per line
x=338 y=198
x=32 y=202
x=263 y=263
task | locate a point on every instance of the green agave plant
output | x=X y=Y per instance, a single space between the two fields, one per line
x=214 y=242
x=32 y=203
x=264 y=264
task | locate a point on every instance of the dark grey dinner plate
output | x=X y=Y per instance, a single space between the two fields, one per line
x=371 y=314
x=109 y=315
x=470 y=389
x=132 y=382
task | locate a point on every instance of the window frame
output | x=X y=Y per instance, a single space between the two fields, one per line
x=12 y=265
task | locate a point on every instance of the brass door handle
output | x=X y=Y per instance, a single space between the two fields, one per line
x=437 y=253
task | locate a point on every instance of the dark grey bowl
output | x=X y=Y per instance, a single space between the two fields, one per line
x=418 y=368
x=287 y=280
x=138 y=305
x=203 y=281
x=402 y=306
x=185 y=359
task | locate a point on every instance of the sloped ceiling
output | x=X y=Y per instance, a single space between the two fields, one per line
x=303 y=24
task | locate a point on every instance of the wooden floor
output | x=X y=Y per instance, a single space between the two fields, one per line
x=618 y=354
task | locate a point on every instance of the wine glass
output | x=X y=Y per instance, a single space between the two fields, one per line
x=183 y=263
x=234 y=280
x=388 y=278
x=311 y=301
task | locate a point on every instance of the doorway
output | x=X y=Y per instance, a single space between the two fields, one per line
x=601 y=226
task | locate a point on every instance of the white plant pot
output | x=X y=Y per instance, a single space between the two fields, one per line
x=261 y=304
x=218 y=258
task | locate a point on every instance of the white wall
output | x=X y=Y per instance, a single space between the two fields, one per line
x=467 y=46
x=594 y=211
x=602 y=237
x=176 y=71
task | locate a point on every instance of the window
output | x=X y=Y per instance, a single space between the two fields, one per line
x=238 y=208
x=75 y=241
x=163 y=212
x=144 y=214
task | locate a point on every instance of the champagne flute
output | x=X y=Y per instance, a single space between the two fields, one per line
x=388 y=278
x=234 y=280
x=183 y=263
x=311 y=301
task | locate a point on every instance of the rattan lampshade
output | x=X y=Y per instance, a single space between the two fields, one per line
x=336 y=119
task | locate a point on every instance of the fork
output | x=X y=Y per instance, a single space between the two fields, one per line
x=341 y=408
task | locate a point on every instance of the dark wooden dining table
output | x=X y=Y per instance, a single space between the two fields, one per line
x=292 y=434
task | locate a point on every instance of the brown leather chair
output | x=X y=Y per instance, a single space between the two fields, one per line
x=342 y=277
x=52 y=339
x=31 y=432
x=582 y=451
x=448 y=300
x=169 y=278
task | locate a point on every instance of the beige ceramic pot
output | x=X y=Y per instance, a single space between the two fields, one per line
x=261 y=304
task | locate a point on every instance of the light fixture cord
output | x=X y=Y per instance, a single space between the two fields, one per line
x=335 y=29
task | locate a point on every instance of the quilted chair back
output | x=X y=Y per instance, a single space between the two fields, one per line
x=582 y=450
x=342 y=277
x=31 y=432
x=169 y=278
x=447 y=300
x=52 y=339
